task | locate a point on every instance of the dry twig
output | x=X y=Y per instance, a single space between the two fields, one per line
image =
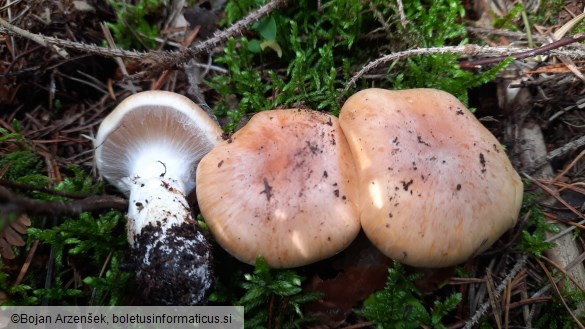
x=472 y=50
x=155 y=61
x=403 y=19
x=11 y=202
x=34 y=37
x=472 y=65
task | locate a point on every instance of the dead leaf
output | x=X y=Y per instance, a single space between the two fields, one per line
x=10 y=236
x=6 y=249
x=345 y=291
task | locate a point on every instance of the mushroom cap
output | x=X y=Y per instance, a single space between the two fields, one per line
x=283 y=187
x=436 y=187
x=154 y=133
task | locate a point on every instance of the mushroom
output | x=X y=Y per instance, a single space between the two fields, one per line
x=282 y=187
x=149 y=148
x=436 y=187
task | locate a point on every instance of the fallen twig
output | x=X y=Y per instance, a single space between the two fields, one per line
x=155 y=61
x=34 y=37
x=28 y=187
x=533 y=150
x=10 y=203
x=475 y=64
x=472 y=50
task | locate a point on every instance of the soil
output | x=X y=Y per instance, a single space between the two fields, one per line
x=174 y=266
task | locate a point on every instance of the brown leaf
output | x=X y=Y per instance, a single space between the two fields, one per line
x=13 y=237
x=432 y=278
x=10 y=236
x=6 y=249
x=24 y=220
x=20 y=227
x=21 y=224
x=345 y=291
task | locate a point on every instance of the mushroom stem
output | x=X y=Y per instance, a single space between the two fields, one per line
x=167 y=245
x=156 y=201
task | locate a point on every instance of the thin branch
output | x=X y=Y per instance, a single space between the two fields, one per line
x=469 y=50
x=556 y=153
x=472 y=65
x=10 y=202
x=26 y=265
x=472 y=50
x=236 y=29
x=168 y=60
x=403 y=19
x=34 y=37
x=155 y=61
x=83 y=47
x=29 y=187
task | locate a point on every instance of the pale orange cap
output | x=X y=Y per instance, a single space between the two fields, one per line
x=436 y=187
x=283 y=187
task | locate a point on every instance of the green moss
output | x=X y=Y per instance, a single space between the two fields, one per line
x=63 y=243
x=320 y=48
x=135 y=26
x=314 y=43
x=556 y=316
x=534 y=234
x=400 y=305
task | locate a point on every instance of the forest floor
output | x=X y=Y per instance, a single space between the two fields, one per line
x=62 y=229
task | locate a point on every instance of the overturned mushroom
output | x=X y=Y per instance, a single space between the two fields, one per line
x=283 y=187
x=436 y=187
x=149 y=148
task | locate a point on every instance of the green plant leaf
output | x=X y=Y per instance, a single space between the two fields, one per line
x=272 y=45
x=254 y=46
x=267 y=28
